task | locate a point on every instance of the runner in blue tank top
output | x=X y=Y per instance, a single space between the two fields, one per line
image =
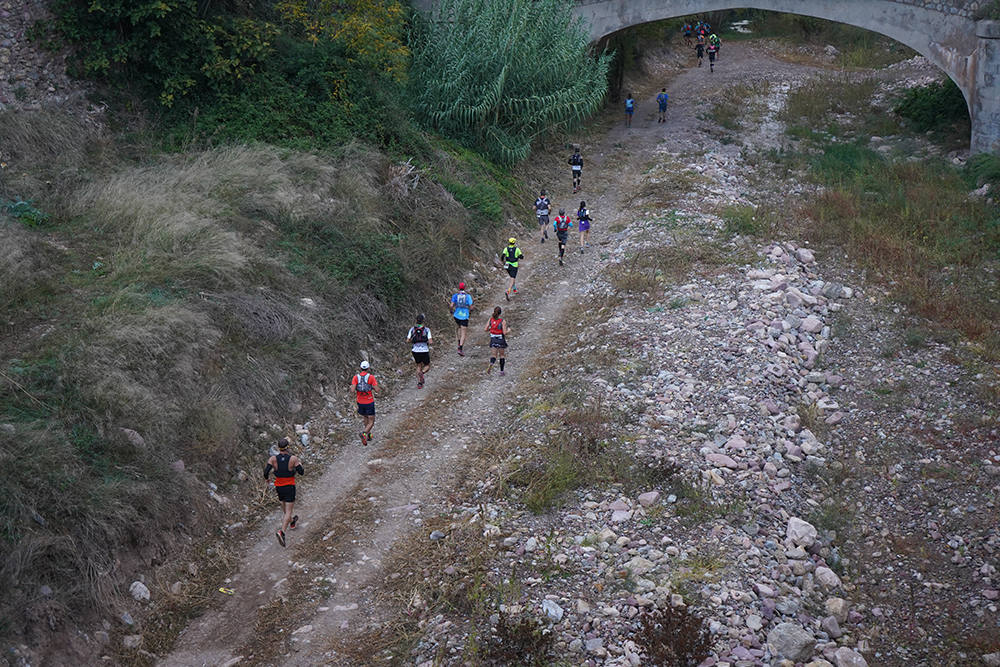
x=461 y=304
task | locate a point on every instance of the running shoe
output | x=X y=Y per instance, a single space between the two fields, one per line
x=420 y=380
x=514 y=291
x=460 y=353
x=295 y=521
x=489 y=369
x=560 y=261
x=543 y=239
x=364 y=438
x=369 y=436
x=281 y=537
x=502 y=373
x=581 y=251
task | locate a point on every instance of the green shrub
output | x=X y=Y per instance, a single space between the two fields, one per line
x=983 y=168
x=495 y=74
x=25 y=212
x=934 y=106
x=170 y=48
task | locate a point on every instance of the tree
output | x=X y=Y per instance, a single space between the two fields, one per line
x=494 y=74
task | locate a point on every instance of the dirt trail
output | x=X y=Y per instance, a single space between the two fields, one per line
x=355 y=511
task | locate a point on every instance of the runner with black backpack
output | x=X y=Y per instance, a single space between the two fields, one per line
x=461 y=304
x=576 y=165
x=420 y=337
x=365 y=386
x=562 y=225
x=542 y=213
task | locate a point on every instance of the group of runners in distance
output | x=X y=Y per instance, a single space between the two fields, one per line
x=700 y=36
x=364 y=384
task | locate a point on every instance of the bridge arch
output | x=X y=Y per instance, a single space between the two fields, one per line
x=944 y=32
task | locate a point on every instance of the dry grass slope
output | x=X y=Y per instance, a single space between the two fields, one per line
x=166 y=298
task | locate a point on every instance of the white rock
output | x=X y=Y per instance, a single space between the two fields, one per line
x=801 y=532
x=619 y=516
x=132 y=641
x=846 y=657
x=552 y=610
x=805 y=255
x=139 y=591
x=531 y=544
x=812 y=324
x=838 y=608
x=639 y=566
x=791 y=641
x=304 y=630
x=649 y=498
x=827 y=578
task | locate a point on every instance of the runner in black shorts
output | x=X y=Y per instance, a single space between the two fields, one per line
x=511 y=255
x=497 y=328
x=420 y=337
x=285 y=467
x=542 y=212
x=365 y=386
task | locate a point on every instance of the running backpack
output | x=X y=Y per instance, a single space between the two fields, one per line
x=576 y=160
x=562 y=223
x=363 y=386
x=419 y=335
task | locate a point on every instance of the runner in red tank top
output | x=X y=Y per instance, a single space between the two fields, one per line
x=497 y=329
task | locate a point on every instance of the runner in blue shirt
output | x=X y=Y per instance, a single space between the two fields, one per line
x=661 y=100
x=461 y=304
x=629 y=110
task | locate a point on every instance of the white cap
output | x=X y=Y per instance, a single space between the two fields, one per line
x=364 y=365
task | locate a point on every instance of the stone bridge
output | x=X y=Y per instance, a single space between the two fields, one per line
x=945 y=31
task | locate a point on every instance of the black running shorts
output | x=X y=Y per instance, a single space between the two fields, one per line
x=286 y=494
x=512 y=271
x=366 y=409
x=422 y=357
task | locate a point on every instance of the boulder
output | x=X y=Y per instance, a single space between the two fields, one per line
x=827 y=578
x=847 y=657
x=791 y=641
x=801 y=532
x=139 y=591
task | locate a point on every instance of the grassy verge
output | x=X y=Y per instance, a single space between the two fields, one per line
x=913 y=224
x=170 y=309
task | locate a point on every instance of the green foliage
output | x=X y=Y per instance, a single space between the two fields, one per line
x=495 y=74
x=747 y=221
x=915 y=224
x=933 y=106
x=171 y=48
x=990 y=10
x=983 y=168
x=25 y=212
x=306 y=96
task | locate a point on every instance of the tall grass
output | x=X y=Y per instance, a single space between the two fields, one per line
x=915 y=225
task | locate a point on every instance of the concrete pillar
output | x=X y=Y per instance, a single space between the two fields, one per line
x=985 y=107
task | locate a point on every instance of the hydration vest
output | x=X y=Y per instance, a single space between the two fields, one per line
x=496 y=326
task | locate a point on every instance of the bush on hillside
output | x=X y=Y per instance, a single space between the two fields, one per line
x=171 y=48
x=495 y=74
x=933 y=107
x=294 y=73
